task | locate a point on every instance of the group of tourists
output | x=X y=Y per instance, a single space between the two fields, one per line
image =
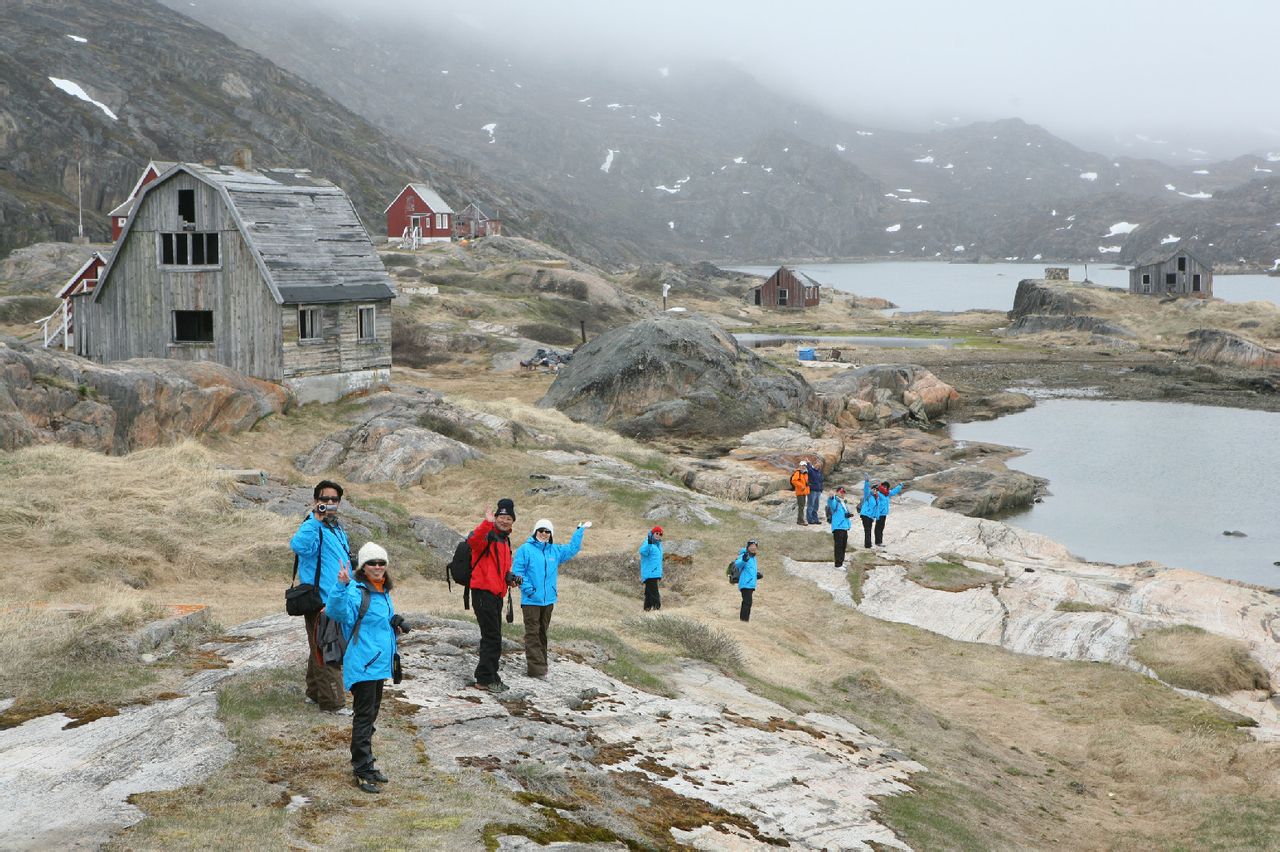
x=352 y=634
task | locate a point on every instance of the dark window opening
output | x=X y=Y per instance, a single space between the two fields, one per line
x=1170 y=278
x=187 y=205
x=189 y=249
x=365 y=327
x=757 y=295
x=1146 y=278
x=193 y=326
x=308 y=323
x=1182 y=264
x=1195 y=283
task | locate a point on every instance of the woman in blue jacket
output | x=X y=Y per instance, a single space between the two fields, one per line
x=747 y=576
x=371 y=647
x=537 y=565
x=875 y=509
x=651 y=568
x=839 y=523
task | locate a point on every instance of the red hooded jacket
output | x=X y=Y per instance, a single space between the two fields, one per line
x=490 y=573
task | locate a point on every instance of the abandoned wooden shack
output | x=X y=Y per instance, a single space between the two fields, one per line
x=472 y=222
x=787 y=288
x=418 y=207
x=1171 y=270
x=269 y=272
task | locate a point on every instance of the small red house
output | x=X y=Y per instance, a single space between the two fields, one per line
x=418 y=206
x=472 y=222
x=120 y=215
x=787 y=288
x=82 y=281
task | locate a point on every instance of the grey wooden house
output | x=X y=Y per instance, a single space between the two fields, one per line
x=269 y=272
x=1171 y=270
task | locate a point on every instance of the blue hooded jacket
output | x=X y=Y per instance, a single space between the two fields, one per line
x=370 y=657
x=839 y=513
x=815 y=478
x=875 y=504
x=538 y=566
x=747 y=566
x=650 y=559
x=337 y=552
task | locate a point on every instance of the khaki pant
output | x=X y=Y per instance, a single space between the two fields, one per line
x=324 y=683
x=536 y=621
x=801 y=502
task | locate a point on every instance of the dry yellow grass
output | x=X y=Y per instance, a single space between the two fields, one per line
x=1193 y=658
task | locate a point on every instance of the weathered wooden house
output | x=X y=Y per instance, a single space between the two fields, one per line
x=268 y=272
x=59 y=326
x=472 y=222
x=1171 y=270
x=787 y=288
x=120 y=214
x=418 y=206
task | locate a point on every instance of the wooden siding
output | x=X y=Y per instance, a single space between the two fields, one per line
x=1183 y=281
x=133 y=317
x=339 y=349
x=408 y=204
x=766 y=295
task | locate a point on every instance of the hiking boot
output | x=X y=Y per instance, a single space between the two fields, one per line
x=495 y=687
x=375 y=774
x=367 y=784
x=340 y=711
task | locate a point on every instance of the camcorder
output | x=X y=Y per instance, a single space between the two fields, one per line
x=397 y=623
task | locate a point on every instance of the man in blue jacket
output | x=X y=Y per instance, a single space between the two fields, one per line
x=651 y=568
x=840 y=524
x=537 y=565
x=323 y=550
x=748 y=574
x=875 y=510
x=815 y=492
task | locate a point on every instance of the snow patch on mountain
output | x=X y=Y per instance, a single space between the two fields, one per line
x=1169 y=239
x=78 y=39
x=1120 y=228
x=608 y=160
x=1090 y=176
x=489 y=128
x=72 y=88
x=1108 y=249
x=894 y=228
x=926 y=159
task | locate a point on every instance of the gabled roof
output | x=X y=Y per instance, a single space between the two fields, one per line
x=1160 y=254
x=302 y=231
x=124 y=209
x=96 y=257
x=427 y=194
x=472 y=209
x=804 y=279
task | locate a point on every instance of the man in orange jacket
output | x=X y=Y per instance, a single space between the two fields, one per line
x=490 y=576
x=800 y=484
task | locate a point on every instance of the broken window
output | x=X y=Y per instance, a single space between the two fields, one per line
x=189 y=249
x=308 y=323
x=1195 y=283
x=1146 y=278
x=1171 y=279
x=1182 y=264
x=193 y=326
x=782 y=295
x=365 y=328
x=187 y=206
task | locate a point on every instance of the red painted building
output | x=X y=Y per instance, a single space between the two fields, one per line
x=83 y=281
x=418 y=206
x=787 y=289
x=120 y=215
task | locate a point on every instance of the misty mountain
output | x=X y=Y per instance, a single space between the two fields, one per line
x=113 y=84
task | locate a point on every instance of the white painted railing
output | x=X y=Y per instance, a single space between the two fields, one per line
x=51 y=335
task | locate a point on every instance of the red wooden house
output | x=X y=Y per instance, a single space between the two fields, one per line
x=120 y=215
x=60 y=322
x=418 y=206
x=787 y=288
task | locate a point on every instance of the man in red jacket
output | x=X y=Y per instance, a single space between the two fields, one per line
x=490 y=576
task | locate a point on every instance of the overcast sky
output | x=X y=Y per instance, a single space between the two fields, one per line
x=1096 y=72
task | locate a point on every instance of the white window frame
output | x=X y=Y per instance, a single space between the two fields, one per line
x=442 y=221
x=371 y=327
x=782 y=296
x=314 y=334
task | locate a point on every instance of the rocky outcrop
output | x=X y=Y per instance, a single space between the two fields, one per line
x=677 y=376
x=1038 y=324
x=984 y=491
x=51 y=397
x=42 y=268
x=1037 y=296
x=884 y=394
x=1223 y=347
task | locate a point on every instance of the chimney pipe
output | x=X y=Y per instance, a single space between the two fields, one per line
x=243 y=159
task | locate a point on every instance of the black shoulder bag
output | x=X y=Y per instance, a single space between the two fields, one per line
x=304 y=598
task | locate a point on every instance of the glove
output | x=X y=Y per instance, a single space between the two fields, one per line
x=512 y=579
x=584 y=525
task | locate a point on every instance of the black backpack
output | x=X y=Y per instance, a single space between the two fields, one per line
x=827 y=508
x=734 y=572
x=460 y=568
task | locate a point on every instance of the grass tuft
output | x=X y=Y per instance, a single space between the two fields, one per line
x=696 y=639
x=1192 y=658
x=948 y=576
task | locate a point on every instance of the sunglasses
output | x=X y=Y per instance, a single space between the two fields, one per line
x=544 y=530
x=333 y=500
x=376 y=563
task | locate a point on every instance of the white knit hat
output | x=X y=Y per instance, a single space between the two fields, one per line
x=368 y=551
x=544 y=524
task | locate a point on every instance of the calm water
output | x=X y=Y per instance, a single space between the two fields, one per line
x=1151 y=480
x=753 y=339
x=928 y=286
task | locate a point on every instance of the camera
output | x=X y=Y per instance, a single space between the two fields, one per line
x=397 y=623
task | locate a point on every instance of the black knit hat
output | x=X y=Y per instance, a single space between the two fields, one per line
x=506 y=506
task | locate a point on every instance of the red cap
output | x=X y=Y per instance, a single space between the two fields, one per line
x=657 y=530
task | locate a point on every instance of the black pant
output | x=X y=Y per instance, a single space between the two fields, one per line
x=652 y=599
x=488 y=609
x=841 y=538
x=867 y=524
x=745 y=612
x=366 y=699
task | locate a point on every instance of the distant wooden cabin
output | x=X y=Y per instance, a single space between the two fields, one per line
x=59 y=327
x=418 y=206
x=787 y=288
x=269 y=272
x=1171 y=271
x=120 y=214
x=472 y=222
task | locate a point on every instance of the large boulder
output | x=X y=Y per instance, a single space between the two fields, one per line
x=882 y=394
x=681 y=376
x=982 y=491
x=1039 y=324
x=1052 y=298
x=1223 y=347
x=52 y=397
